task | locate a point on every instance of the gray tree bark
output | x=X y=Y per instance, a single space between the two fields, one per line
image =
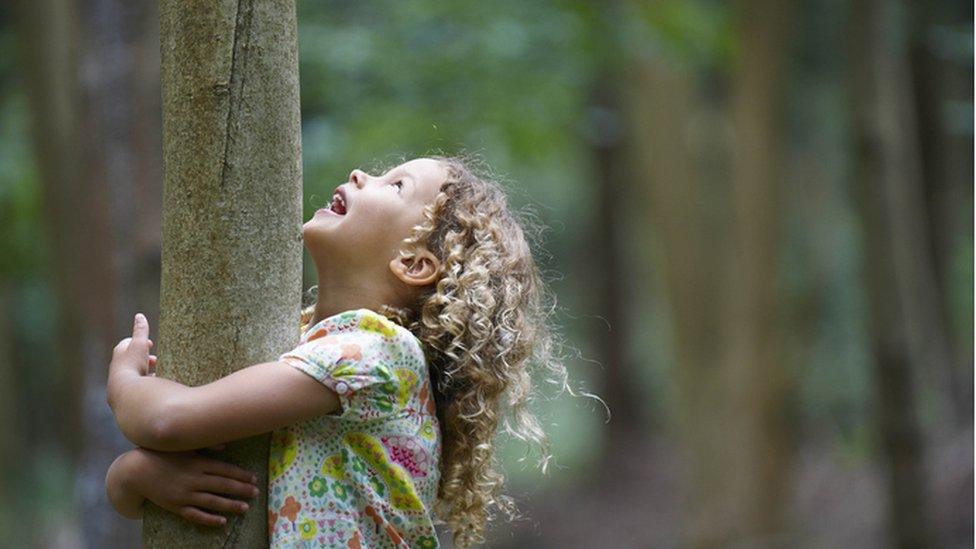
x=232 y=255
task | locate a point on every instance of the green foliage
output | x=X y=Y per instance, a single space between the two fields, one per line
x=401 y=79
x=20 y=196
x=697 y=32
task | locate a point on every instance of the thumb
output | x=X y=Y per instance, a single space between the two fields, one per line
x=140 y=331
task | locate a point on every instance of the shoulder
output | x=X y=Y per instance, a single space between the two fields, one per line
x=368 y=329
x=383 y=332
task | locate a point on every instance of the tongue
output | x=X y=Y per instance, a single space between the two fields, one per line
x=338 y=208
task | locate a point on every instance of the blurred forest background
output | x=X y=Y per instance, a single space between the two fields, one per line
x=761 y=239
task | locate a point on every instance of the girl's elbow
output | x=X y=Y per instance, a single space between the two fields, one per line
x=160 y=434
x=159 y=431
x=167 y=430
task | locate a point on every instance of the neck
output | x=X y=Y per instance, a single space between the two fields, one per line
x=335 y=297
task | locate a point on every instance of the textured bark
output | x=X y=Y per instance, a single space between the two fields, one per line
x=890 y=200
x=231 y=272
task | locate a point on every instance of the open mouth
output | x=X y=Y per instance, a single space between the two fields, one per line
x=338 y=205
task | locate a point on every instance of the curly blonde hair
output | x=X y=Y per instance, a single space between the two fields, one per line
x=484 y=327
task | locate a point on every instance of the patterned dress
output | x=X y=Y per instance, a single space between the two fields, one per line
x=365 y=476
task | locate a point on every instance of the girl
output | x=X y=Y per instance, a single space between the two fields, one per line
x=430 y=313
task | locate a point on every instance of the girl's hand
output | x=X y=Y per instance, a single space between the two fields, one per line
x=189 y=484
x=131 y=355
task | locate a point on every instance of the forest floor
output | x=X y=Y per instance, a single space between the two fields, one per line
x=837 y=501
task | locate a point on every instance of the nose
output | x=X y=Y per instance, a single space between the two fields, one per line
x=358 y=178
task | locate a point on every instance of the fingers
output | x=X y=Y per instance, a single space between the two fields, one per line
x=213 y=502
x=140 y=342
x=193 y=514
x=122 y=345
x=229 y=470
x=227 y=486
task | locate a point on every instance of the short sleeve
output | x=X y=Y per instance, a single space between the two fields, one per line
x=359 y=366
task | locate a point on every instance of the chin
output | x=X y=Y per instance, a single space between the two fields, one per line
x=314 y=236
x=323 y=239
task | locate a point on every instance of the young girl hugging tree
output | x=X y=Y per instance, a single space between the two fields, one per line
x=430 y=316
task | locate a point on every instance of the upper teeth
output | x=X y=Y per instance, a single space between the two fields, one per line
x=339 y=198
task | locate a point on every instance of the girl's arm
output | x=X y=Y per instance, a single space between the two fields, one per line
x=183 y=483
x=164 y=415
x=119 y=487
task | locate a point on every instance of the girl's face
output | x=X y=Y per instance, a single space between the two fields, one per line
x=371 y=215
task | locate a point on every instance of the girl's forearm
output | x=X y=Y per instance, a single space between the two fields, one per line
x=120 y=488
x=140 y=406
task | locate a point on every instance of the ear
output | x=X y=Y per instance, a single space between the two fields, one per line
x=420 y=270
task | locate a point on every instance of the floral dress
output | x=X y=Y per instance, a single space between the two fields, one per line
x=366 y=475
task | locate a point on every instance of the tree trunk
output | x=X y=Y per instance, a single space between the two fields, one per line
x=232 y=256
x=755 y=317
x=888 y=190
x=619 y=381
x=11 y=443
x=947 y=178
x=47 y=33
x=118 y=94
x=689 y=239
x=721 y=269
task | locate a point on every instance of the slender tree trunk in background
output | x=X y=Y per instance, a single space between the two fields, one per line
x=119 y=99
x=947 y=174
x=90 y=77
x=606 y=132
x=11 y=460
x=689 y=238
x=47 y=36
x=756 y=321
x=886 y=74
x=621 y=387
x=232 y=255
x=888 y=187
x=721 y=282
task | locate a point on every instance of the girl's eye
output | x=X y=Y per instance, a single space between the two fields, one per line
x=398 y=185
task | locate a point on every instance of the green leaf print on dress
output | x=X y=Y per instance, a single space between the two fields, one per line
x=407 y=381
x=374 y=322
x=334 y=466
x=402 y=494
x=386 y=391
x=284 y=448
